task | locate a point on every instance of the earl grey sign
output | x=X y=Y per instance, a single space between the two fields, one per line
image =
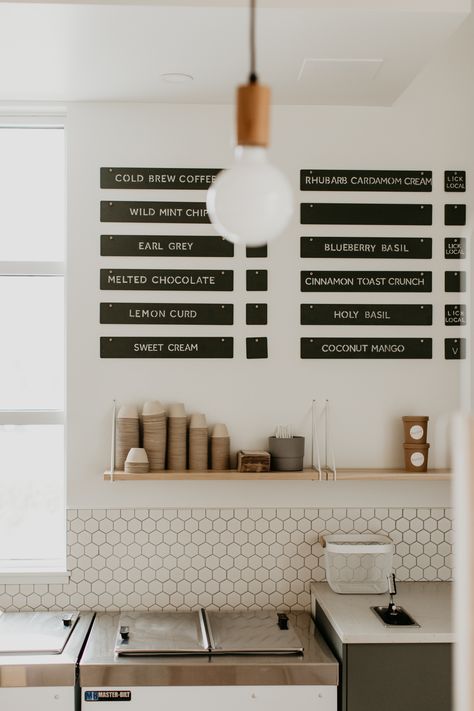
x=165 y=246
x=158 y=178
x=184 y=314
x=408 y=181
x=367 y=314
x=365 y=348
x=344 y=213
x=167 y=279
x=171 y=212
x=367 y=247
x=365 y=281
x=205 y=347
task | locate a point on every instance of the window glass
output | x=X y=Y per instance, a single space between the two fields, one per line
x=32 y=218
x=32 y=343
x=32 y=493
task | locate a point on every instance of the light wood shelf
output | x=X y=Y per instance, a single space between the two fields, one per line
x=305 y=475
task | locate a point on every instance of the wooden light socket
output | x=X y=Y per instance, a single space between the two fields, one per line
x=253 y=115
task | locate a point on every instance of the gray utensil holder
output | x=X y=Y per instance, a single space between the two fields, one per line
x=287 y=454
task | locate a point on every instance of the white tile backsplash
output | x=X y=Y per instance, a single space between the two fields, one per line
x=178 y=559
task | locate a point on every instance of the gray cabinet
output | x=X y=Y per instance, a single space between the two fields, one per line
x=390 y=677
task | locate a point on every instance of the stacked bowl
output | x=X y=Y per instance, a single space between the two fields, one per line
x=154 y=434
x=137 y=461
x=176 y=437
x=220 y=448
x=198 y=446
x=128 y=433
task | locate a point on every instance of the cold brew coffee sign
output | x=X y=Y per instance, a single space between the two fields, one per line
x=158 y=178
x=127 y=347
x=365 y=348
x=184 y=314
x=365 y=281
x=367 y=314
x=165 y=246
x=403 y=181
x=367 y=247
x=167 y=279
x=344 y=213
x=171 y=212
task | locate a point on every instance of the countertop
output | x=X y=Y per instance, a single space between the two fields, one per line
x=20 y=670
x=99 y=665
x=354 y=622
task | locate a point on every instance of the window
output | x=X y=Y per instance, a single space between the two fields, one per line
x=32 y=471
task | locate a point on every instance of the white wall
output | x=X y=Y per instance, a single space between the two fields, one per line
x=430 y=128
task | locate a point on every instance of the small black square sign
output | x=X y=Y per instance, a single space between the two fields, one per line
x=261 y=251
x=455 y=215
x=455 y=281
x=257 y=347
x=455 y=181
x=256 y=314
x=455 y=248
x=455 y=315
x=257 y=280
x=455 y=348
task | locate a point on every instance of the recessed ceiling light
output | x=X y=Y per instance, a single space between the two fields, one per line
x=176 y=78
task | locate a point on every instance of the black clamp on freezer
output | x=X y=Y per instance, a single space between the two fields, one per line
x=124 y=632
x=282 y=620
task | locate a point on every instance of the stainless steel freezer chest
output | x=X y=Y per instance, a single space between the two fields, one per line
x=39 y=652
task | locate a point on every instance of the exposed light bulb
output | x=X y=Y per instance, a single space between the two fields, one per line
x=251 y=202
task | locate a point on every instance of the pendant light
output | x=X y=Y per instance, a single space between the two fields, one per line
x=251 y=202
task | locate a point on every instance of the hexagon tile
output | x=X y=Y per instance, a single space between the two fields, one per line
x=179 y=559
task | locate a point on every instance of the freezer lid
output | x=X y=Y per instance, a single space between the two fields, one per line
x=36 y=632
x=154 y=633
x=259 y=632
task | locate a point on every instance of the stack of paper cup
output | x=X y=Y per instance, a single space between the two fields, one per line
x=137 y=461
x=154 y=434
x=127 y=434
x=220 y=448
x=198 y=446
x=176 y=437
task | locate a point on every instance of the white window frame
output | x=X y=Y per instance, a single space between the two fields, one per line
x=38 y=118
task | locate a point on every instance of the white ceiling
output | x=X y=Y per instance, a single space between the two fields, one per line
x=309 y=51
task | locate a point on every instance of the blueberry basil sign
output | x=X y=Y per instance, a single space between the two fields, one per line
x=366 y=348
x=167 y=279
x=171 y=212
x=408 y=181
x=367 y=314
x=366 y=247
x=165 y=246
x=365 y=281
x=199 y=347
x=158 y=178
x=146 y=313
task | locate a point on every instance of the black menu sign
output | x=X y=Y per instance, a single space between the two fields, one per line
x=158 y=178
x=343 y=213
x=367 y=314
x=455 y=315
x=402 y=181
x=129 y=347
x=455 y=181
x=365 y=281
x=171 y=212
x=365 y=348
x=143 y=313
x=455 y=248
x=366 y=247
x=454 y=348
x=167 y=279
x=165 y=246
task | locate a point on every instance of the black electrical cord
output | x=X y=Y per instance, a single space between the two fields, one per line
x=253 y=72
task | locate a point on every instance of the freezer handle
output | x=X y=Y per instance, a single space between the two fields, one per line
x=206 y=633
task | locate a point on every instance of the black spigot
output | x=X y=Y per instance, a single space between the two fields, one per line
x=392 y=590
x=124 y=632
